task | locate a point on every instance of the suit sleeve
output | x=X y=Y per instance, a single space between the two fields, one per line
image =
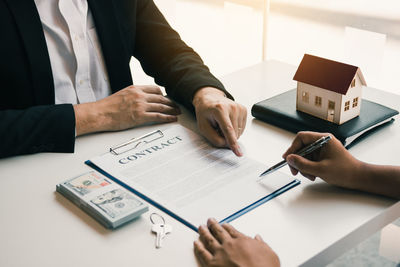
x=37 y=129
x=164 y=56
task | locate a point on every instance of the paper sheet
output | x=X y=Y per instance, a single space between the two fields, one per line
x=190 y=178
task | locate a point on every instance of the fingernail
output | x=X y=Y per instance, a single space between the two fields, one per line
x=210 y=221
x=239 y=149
x=196 y=246
x=259 y=237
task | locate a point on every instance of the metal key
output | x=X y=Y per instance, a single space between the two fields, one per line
x=159 y=230
x=167 y=230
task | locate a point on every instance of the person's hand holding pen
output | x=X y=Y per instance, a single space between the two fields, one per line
x=220 y=120
x=332 y=162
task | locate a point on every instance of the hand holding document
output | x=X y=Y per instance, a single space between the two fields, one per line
x=183 y=175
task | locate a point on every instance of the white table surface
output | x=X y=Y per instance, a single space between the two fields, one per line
x=311 y=224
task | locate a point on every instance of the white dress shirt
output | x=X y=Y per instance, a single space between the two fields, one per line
x=76 y=58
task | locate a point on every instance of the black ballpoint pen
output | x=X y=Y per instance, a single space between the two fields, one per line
x=302 y=152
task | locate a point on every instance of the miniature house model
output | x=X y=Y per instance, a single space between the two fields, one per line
x=328 y=89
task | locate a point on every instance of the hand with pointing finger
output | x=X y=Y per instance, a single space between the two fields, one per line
x=220 y=120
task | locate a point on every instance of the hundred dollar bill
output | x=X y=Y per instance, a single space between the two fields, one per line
x=116 y=203
x=87 y=182
x=106 y=201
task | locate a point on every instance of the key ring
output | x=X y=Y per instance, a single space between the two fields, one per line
x=157 y=215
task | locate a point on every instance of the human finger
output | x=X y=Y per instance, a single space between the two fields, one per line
x=304 y=165
x=153 y=98
x=202 y=253
x=228 y=131
x=293 y=170
x=231 y=230
x=234 y=115
x=210 y=132
x=218 y=231
x=235 y=125
x=161 y=108
x=150 y=89
x=158 y=117
x=259 y=238
x=242 y=121
x=302 y=139
x=208 y=239
x=308 y=176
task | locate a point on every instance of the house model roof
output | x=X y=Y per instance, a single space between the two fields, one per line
x=327 y=74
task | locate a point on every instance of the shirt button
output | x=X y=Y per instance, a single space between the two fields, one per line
x=81 y=82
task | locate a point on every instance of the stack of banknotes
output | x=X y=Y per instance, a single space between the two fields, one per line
x=103 y=199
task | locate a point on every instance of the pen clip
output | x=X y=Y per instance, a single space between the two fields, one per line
x=313 y=146
x=302 y=152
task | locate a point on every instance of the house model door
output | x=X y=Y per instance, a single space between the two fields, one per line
x=331 y=111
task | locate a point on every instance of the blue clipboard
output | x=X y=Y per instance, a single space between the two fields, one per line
x=228 y=219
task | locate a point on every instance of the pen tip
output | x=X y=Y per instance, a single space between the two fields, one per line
x=265 y=172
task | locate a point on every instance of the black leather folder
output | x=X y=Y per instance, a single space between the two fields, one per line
x=281 y=111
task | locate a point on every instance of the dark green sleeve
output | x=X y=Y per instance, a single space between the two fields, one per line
x=167 y=58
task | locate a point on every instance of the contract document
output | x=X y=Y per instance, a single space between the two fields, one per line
x=179 y=172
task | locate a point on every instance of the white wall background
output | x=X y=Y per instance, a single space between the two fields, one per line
x=228 y=34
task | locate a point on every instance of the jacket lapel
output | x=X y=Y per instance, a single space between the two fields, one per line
x=28 y=21
x=115 y=54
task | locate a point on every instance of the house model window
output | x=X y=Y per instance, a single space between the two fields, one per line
x=318 y=101
x=355 y=102
x=339 y=84
x=305 y=97
x=347 y=106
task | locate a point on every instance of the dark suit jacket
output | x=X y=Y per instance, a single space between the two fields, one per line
x=30 y=122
